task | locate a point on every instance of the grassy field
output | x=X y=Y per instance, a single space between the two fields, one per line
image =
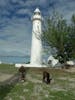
x=62 y=86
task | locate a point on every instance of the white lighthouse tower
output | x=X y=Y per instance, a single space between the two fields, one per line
x=36 y=48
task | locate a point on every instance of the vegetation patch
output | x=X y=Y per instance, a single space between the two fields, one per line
x=61 y=87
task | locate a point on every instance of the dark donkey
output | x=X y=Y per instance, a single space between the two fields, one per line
x=46 y=77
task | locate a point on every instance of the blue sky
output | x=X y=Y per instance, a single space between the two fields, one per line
x=16 y=25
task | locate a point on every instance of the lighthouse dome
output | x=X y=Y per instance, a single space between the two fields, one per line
x=37 y=10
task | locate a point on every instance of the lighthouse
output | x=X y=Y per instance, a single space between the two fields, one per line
x=36 y=47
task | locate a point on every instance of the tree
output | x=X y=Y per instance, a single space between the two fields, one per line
x=72 y=35
x=55 y=35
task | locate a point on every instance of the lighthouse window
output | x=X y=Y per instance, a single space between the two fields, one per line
x=37 y=13
x=34 y=13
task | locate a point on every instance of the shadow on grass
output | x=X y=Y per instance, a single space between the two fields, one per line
x=6 y=86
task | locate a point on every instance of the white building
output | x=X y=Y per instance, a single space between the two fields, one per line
x=36 y=48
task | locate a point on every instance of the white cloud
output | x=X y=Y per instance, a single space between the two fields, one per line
x=24 y=11
x=3 y=3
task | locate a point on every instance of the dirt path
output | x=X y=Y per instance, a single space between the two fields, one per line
x=8 y=78
x=4 y=77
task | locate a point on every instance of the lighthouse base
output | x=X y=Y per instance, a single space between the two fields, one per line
x=30 y=65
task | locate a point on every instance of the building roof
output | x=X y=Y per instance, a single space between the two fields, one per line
x=37 y=10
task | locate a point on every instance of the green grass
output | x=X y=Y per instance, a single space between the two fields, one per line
x=61 y=87
x=7 y=68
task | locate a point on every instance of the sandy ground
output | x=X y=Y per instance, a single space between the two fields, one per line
x=71 y=69
x=4 y=77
